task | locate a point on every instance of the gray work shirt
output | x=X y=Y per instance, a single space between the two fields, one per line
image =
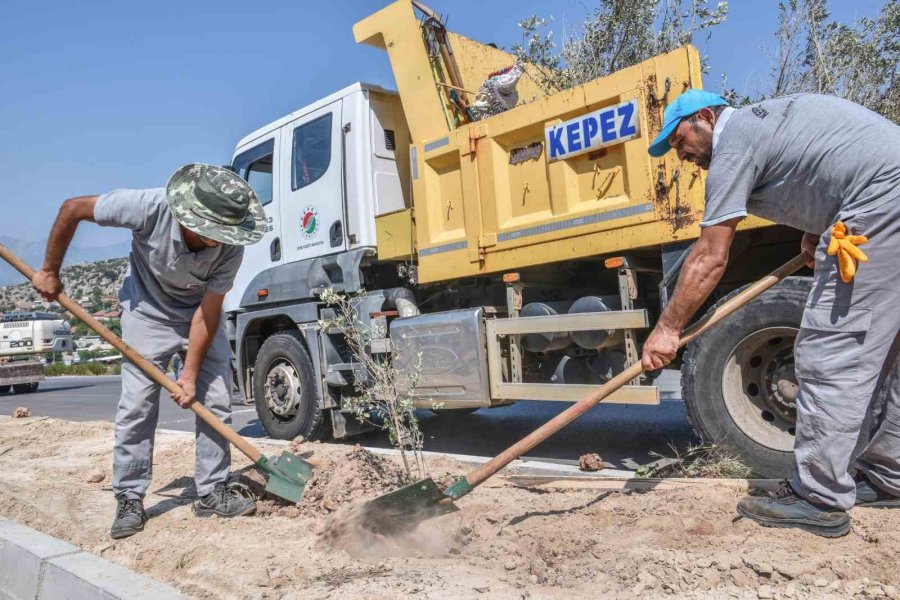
x=804 y=160
x=165 y=280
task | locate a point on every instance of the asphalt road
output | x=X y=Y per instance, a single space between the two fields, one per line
x=622 y=435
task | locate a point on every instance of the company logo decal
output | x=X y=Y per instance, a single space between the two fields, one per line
x=605 y=127
x=309 y=222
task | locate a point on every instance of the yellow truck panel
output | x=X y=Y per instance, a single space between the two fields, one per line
x=487 y=196
x=484 y=204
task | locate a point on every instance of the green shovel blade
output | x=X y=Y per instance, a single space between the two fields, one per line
x=404 y=509
x=287 y=475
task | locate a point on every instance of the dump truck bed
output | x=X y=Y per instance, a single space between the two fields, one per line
x=523 y=188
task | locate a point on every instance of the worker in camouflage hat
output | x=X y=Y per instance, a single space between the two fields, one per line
x=187 y=244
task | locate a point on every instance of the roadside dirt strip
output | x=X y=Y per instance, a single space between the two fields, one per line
x=522 y=537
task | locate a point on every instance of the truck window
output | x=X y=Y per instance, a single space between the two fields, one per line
x=311 y=151
x=255 y=166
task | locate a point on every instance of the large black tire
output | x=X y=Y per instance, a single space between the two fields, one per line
x=283 y=363
x=738 y=382
x=4 y=389
x=25 y=388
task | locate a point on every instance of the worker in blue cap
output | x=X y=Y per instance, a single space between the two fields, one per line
x=831 y=169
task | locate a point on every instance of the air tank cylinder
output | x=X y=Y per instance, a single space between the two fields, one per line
x=593 y=340
x=605 y=365
x=566 y=369
x=544 y=342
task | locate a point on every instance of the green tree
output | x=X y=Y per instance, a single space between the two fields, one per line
x=813 y=52
x=615 y=35
x=856 y=61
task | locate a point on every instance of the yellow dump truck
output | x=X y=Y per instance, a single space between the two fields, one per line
x=517 y=252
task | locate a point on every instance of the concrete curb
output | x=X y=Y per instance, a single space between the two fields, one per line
x=518 y=466
x=36 y=566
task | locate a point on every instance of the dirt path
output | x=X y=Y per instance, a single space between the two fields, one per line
x=507 y=542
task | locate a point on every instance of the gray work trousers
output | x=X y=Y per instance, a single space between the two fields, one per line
x=846 y=351
x=138 y=410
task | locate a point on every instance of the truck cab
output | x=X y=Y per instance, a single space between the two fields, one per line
x=323 y=174
x=23 y=337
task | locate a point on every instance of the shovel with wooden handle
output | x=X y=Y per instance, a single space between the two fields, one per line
x=405 y=508
x=287 y=474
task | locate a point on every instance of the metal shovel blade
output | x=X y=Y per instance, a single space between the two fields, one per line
x=287 y=475
x=404 y=509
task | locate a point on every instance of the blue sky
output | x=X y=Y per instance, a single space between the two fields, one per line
x=102 y=95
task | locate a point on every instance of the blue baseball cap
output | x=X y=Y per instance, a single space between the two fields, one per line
x=684 y=106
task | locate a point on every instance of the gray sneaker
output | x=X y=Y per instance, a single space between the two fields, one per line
x=787 y=509
x=230 y=499
x=870 y=495
x=130 y=518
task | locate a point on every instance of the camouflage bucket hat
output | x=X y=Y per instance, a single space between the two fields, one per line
x=216 y=203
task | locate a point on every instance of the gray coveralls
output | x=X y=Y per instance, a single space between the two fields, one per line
x=162 y=290
x=808 y=161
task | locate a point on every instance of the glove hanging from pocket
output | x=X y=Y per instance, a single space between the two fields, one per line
x=845 y=246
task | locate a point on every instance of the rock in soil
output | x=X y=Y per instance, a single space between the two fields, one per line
x=21 y=412
x=590 y=462
x=96 y=477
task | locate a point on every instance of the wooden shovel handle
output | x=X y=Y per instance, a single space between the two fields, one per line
x=582 y=406
x=151 y=370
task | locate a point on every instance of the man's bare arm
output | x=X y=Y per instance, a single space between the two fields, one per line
x=700 y=275
x=204 y=326
x=72 y=212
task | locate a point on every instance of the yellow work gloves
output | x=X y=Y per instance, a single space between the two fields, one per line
x=845 y=246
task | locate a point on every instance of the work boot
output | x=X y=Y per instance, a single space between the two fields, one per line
x=130 y=518
x=787 y=509
x=870 y=495
x=230 y=499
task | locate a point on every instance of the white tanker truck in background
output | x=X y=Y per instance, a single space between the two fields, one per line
x=23 y=336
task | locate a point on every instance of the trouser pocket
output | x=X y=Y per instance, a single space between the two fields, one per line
x=830 y=344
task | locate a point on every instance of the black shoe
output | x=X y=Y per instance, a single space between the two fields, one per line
x=226 y=500
x=130 y=518
x=787 y=509
x=870 y=495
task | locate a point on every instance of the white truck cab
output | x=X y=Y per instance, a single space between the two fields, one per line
x=323 y=173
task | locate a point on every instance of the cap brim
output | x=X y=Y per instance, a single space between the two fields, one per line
x=661 y=144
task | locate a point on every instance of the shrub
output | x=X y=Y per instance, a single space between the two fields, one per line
x=58 y=369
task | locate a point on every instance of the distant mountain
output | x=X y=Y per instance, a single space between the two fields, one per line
x=93 y=284
x=33 y=254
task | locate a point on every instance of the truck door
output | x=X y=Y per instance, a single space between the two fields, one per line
x=312 y=207
x=258 y=164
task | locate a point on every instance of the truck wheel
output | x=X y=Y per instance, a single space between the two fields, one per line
x=25 y=388
x=4 y=389
x=284 y=387
x=738 y=379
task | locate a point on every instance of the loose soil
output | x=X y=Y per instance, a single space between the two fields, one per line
x=507 y=541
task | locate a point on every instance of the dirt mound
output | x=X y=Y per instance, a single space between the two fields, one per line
x=338 y=480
